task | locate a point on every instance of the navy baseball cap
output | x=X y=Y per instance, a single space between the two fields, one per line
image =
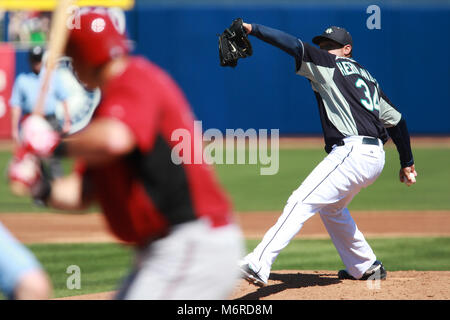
x=337 y=34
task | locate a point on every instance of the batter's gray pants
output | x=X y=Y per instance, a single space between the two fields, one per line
x=195 y=262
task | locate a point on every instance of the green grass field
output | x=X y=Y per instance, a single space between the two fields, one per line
x=251 y=191
x=102 y=266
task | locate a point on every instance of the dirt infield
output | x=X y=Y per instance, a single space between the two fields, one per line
x=287 y=284
x=57 y=228
x=66 y=228
x=372 y=224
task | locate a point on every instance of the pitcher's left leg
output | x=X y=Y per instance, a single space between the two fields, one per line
x=355 y=252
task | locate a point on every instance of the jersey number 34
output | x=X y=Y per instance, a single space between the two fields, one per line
x=371 y=102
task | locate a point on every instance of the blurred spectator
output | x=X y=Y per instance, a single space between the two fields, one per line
x=29 y=27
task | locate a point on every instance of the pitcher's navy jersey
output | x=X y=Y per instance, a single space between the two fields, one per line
x=349 y=98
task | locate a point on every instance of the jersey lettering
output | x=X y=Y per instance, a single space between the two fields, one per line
x=347 y=68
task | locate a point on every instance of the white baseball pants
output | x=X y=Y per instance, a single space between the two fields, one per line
x=328 y=190
x=194 y=262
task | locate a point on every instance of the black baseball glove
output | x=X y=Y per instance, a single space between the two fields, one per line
x=234 y=44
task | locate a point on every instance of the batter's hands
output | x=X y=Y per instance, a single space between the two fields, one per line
x=24 y=172
x=27 y=178
x=408 y=175
x=38 y=136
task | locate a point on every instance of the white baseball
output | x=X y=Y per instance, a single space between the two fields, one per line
x=412 y=177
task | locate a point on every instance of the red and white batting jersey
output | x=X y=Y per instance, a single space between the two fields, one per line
x=144 y=193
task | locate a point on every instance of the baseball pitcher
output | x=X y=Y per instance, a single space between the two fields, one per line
x=356 y=118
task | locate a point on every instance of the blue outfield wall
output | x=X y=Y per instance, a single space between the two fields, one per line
x=409 y=57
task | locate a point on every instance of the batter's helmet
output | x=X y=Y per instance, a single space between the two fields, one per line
x=94 y=39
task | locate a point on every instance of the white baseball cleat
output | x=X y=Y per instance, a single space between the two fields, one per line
x=251 y=276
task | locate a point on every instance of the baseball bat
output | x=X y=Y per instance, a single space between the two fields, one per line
x=59 y=33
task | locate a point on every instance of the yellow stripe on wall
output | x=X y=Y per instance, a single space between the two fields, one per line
x=49 y=5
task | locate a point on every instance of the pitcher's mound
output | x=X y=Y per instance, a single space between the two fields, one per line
x=324 y=285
